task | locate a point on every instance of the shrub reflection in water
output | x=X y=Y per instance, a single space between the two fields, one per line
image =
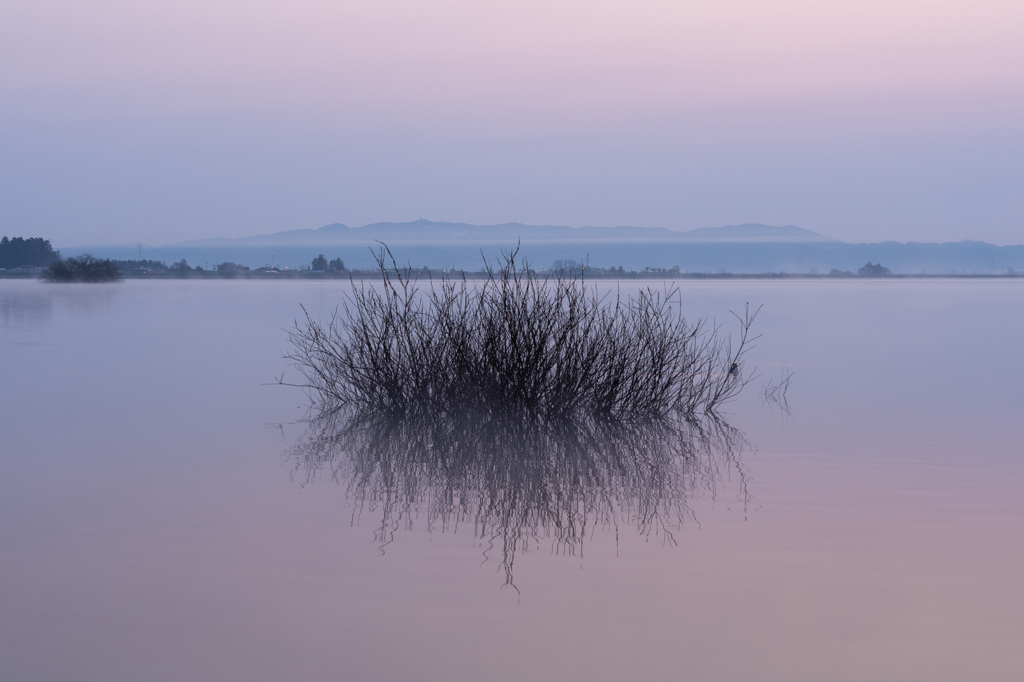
x=521 y=484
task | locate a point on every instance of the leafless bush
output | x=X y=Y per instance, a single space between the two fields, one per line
x=547 y=349
x=775 y=391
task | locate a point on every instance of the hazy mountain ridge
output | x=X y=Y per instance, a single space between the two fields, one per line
x=430 y=232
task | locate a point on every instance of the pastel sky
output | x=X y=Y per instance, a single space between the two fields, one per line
x=128 y=121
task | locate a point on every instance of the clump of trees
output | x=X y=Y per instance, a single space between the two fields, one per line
x=869 y=270
x=142 y=265
x=566 y=266
x=320 y=263
x=550 y=349
x=874 y=270
x=18 y=251
x=85 y=268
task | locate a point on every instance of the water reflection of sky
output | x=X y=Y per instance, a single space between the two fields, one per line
x=28 y=304
x=150 y=530
x=30 y=310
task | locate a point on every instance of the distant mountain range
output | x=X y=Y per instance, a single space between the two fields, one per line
x=428 y=232
x=743 y=249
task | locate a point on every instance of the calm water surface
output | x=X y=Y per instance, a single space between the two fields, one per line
x=153 y=524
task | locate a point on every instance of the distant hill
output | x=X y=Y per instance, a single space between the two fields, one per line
x=753 y=232
x=430 y=232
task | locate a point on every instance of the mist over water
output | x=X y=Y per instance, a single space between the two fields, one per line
x=164 y=516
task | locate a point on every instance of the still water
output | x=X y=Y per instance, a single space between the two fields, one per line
x=158 y=520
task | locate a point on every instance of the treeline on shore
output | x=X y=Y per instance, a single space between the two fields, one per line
x=35 y=257
x=16 y=252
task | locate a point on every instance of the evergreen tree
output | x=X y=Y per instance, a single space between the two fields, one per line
x=32 y=251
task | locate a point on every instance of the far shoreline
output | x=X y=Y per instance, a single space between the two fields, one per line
x=591 y=274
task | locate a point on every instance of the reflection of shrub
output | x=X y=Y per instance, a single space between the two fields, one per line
x=515 y=485
x=83 y=269
x=542 y=348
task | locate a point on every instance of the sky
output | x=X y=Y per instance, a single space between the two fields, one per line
x=126 y=121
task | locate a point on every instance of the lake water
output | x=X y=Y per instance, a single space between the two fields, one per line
x=154 y=524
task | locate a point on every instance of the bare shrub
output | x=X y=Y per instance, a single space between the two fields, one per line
x=775 y=391
x=85 y=268
x=547 y=348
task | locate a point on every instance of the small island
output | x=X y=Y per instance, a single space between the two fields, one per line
x=82 y=269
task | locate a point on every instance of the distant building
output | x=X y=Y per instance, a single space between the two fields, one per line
x=232 y=267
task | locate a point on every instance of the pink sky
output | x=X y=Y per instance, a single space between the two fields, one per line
x=865 y=121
